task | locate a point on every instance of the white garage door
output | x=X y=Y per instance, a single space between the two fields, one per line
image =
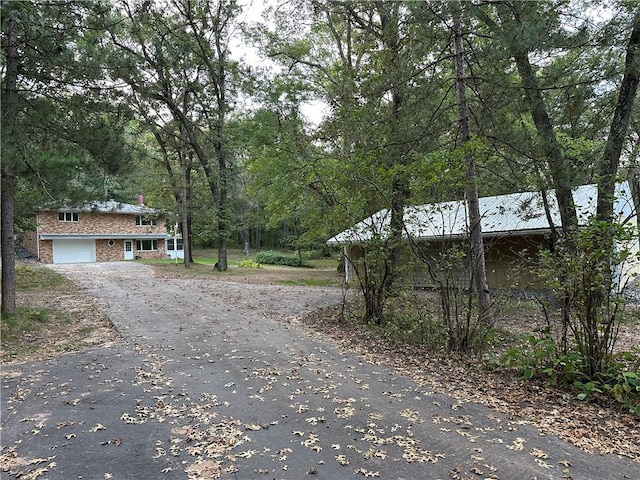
x=74 y=251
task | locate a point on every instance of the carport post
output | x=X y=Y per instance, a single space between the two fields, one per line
x=347 y=264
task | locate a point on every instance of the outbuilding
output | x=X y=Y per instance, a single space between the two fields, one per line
x=515 y=228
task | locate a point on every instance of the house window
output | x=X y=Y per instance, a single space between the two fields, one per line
x=145 y=220
x=146 y=245
x=174 y=244
x=68 y=216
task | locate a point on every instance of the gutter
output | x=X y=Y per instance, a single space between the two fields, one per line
x=115 y=236
x=502 y=233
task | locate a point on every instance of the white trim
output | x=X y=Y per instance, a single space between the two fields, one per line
x=106 y=236
x=128 y=255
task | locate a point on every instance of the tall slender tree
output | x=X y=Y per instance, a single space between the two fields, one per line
x=180 y=49
x=60 y=120
x=478 y=263
x=9 y=131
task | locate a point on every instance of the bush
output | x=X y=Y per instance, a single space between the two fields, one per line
x=276 y=258
x=316 y=254
x=248 y=264
x=537 y=356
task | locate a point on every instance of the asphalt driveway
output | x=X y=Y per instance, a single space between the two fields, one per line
x=218 y=380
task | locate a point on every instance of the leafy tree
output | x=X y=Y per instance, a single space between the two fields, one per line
x=366 y=61
x=175 y=57
x=167 y=172
x=478 y=264
x=561 y=101
x=60 y=122
x=284 y=171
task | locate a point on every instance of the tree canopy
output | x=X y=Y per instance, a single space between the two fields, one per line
x=101 y=99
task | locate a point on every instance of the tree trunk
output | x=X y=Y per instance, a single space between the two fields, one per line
x=619 y=125
x=218 y=71
x=8 y=250
x=559 y=168
x=9 y=124
x=185 y=214
x=223 y=201
x=389 y=22
x=478 y=263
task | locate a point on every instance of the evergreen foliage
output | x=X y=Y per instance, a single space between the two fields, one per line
x=276 y=258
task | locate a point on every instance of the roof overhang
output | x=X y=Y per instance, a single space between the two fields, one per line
x=502 y=216
x=333 y=242
x=110 y=206
x=114 y=236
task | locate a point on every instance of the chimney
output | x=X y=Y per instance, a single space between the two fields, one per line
x=141 y=200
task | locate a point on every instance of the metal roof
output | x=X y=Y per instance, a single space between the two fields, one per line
x=502 y=215
x=110 y=206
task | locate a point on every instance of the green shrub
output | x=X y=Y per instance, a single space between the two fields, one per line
x=276 y=258
x=248 y=264
x=537 y=356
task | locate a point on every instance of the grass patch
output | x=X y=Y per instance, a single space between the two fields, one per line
x=84 y=331
x=630 y=316
x=209 y=262
x=33 y=277
x=236 y=255
x=309 y=282
x=26 y=320
x=45 y=325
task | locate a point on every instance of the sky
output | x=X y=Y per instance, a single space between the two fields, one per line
x=253 y=10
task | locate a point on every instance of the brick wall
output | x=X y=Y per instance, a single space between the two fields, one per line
x=29 y=241
x=115 y=252
x=160 y=253
x=46 y=251
x=109 y=253
x=97 y=224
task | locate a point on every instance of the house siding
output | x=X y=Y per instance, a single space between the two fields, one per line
x=94 y=223
x=90 y=223
x=109 y=253
x=511 y=262
x=45 y=255
x=115 y=252
x=29 y=239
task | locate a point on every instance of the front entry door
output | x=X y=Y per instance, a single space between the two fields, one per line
x=128 y=250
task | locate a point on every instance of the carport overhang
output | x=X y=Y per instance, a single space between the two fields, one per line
x=347 y=241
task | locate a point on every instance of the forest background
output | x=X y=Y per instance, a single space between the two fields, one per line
x=422 y=101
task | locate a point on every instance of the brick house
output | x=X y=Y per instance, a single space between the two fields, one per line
x=98 y=232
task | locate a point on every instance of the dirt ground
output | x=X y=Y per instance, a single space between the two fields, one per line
x=74 y=323
x=592 y=427
x=85 y=325
x=81 y=324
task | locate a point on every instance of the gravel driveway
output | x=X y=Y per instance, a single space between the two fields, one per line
x=218 y=380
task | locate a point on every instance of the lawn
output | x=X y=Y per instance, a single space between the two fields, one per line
x=323 y=273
